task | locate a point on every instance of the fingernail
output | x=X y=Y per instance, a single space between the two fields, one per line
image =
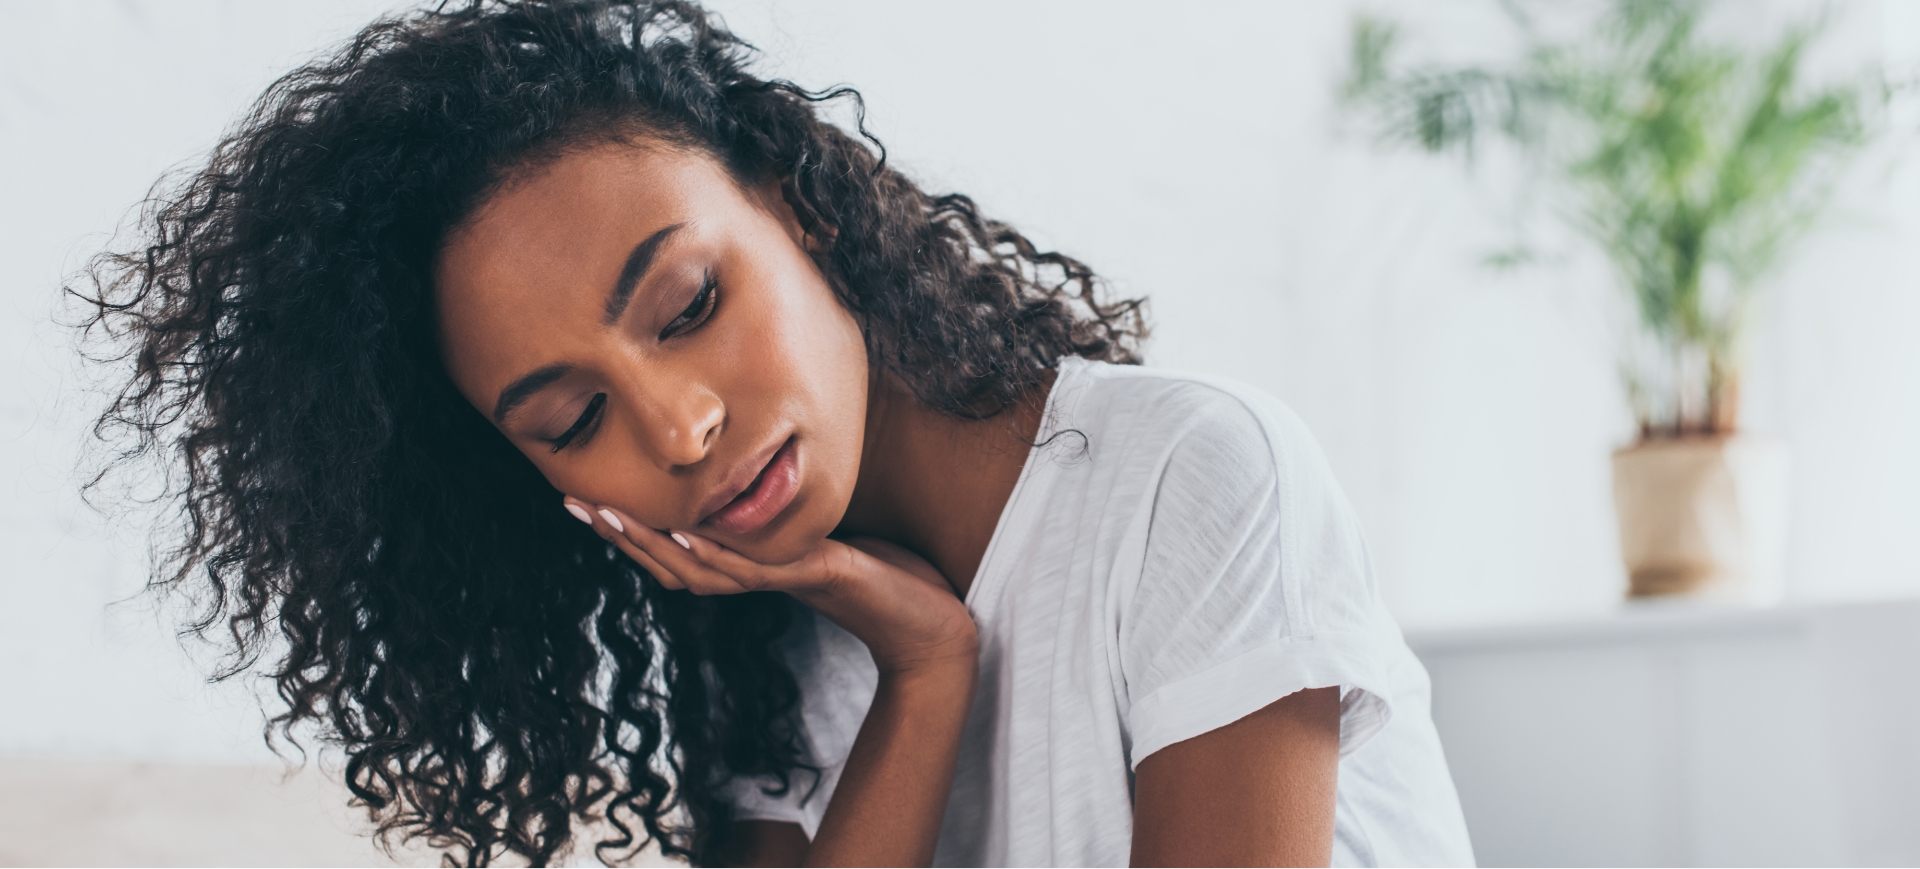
x=579 y=512
x=681 y=540
x=612 y=520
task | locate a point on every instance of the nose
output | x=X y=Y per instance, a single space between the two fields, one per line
x=679 y=422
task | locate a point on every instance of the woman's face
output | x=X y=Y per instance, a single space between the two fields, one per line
x=657 y=339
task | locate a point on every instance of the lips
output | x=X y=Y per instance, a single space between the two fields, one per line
x=769 y=493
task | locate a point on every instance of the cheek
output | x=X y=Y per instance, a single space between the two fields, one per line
x=818 y=356
x=618 y=478
x=827 y=361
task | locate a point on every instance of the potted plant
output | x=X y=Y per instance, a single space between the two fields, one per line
x=1694 y=166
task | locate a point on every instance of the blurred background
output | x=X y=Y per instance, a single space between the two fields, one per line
x=1197 y=154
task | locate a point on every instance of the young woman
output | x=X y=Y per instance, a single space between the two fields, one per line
x=598 y=439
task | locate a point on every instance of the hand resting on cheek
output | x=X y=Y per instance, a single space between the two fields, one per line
x=893 y=600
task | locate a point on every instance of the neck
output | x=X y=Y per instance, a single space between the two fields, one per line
x=936 y=483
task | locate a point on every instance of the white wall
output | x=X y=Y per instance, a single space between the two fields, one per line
x=96 y=100
x=1686 y=736
x=1190 y=152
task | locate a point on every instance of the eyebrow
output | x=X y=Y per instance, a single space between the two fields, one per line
x=636 y=268
x=641 y=259
x=520 y=390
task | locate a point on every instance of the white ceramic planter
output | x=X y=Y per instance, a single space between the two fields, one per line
x=1704 y=517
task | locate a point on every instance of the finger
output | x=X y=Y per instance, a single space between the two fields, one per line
x=688 y=552
x=610 y=527
x=810 y=572
x=675 y=557
x=660 y=574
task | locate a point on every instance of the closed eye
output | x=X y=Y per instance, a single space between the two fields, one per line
x=587 y=418
x=697 y=312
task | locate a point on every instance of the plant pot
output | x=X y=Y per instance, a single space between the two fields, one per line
x=1703 y=517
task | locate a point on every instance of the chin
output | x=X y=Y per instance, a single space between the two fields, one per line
x=780 y=542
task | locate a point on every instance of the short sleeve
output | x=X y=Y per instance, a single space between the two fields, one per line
x=1254 y=583
x=837 y=679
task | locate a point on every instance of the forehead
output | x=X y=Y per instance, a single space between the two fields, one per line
x=541 y=252
x=545 y=220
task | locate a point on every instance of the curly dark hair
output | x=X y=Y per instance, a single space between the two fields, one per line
x=492 y=670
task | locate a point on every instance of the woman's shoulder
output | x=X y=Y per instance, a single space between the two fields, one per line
x=1211 y=421
x=1213 y=459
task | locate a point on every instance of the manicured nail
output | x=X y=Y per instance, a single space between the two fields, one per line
x=681 y=540
x=579 y=512
x=612 y=520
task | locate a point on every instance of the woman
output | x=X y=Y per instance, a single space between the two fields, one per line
x=885 y=553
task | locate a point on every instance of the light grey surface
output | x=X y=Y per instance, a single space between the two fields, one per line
x=121 y=813
x=1686 y=736
x=112 y=813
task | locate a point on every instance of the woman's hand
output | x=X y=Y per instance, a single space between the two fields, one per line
x=892 y=793
x=890 y=598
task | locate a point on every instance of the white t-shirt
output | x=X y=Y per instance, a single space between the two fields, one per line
x=1175 y=557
